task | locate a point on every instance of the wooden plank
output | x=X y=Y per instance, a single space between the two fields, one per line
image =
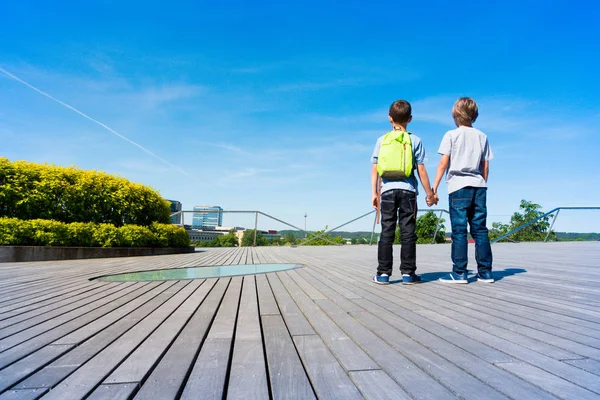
x=295 y=321
x=81 y=382
x=248 y=375
x=589 y=365
x=120 y=391
x=286 y=373
x=27 y=394
x=554 y=365
x=385 y=299
x=266 y=299
x=534 y=339
x=392 y=360
x=377 y=385
x=552 y=383
x=54 y=315
x=15 y=372
x=322 y=283
x=522 y=314
x=160 y=290
x=209 y=373
x=327 y=376
x=139 y=363
x=542 y=361
x=471 y=363
x=51 y=333
x=44 y=294
x=345 y=350
x=36 y=330
x=21 y=313
x=170 y=374
x=69 y=362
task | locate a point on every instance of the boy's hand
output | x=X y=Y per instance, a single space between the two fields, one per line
x=375 y=202
x=429 y=201
x=432 y=200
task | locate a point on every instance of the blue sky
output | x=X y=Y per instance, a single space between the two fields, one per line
x=277 y=106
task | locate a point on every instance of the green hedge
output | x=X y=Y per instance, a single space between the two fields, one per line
x=41 y=191
x=40 y=232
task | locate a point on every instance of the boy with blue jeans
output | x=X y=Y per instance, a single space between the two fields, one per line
x=465 y=157
x=399 y=203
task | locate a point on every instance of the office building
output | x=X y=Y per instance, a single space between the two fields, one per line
x=175 y=207
x=207 y=217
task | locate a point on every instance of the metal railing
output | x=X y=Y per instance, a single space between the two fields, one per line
x=256 y=214
x=324 y=233
x=557 y=210
x=308 y=240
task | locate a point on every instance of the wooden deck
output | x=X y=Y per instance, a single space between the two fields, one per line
x=323 y=331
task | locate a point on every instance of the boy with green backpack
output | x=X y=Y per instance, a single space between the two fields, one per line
x=397 y=155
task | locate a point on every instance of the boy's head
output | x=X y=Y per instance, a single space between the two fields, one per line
x=465 y=111
x=400 y=112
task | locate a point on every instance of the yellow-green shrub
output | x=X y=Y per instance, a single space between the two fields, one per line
x=68 y=194
x=170 y=235
x=39 y=232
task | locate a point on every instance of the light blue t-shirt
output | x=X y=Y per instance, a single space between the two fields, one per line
x=467 y=148
x=418 y=158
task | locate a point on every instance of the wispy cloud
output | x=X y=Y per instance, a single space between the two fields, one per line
x=155 y=97
x=248 y=173
x=315 y=85
x=510 y=116
x=224 y=146
x=143 y=166
x=82 y=114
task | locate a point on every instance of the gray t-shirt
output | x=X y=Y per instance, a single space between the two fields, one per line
x=418 y=158
x=467 y=148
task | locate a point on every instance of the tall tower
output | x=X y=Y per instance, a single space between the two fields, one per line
x=207 y=217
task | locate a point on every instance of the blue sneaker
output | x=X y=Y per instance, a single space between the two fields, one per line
x=410 y=279
x=454 y=278
x=383 y=279
x=485 y=277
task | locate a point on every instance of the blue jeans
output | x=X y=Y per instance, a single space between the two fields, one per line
x=468 y=205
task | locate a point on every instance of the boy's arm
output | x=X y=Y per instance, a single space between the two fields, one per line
x=441 y=169
x=485 y=169
x=374 y=188
x=424 y=178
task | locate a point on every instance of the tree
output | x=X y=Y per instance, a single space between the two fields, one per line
x=248 y=238
x=290 y=239
x=228 y=240
x=537 y=231
x=324 y=240
x=498 y=229
x=427 y=224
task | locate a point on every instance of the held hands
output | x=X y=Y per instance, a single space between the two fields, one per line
x=432 y=199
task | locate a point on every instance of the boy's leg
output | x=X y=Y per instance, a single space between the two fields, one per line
x=459 y=204
x=407 y=218
x=479 y=231
x=389 y=215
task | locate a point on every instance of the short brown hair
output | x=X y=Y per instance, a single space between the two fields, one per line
x=400 y=111
x=465 y=111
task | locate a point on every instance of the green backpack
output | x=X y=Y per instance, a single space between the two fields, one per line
x=395 y=159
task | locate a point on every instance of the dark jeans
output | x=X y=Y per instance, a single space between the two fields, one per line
x=468 y=205
x=398 y=205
